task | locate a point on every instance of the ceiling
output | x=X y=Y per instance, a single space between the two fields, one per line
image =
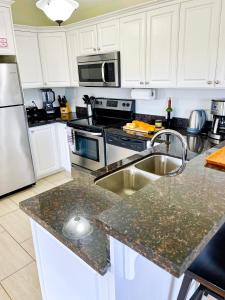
x=25 y=11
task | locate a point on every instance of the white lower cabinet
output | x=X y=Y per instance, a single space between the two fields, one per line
x=65 y=276
x=50 y=150
x=138 y=278
x=44 y=150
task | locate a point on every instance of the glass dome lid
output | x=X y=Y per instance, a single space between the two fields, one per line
x=77 y=227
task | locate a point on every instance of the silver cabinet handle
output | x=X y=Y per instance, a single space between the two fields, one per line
x=147 y=82
x=209 y=82
x=99 y=49
x=141 y=82
x=217 y=82
x=94 y=49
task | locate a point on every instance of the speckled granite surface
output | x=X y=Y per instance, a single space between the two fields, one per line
x=168 y=222
x=78 y=197
x=172 y=219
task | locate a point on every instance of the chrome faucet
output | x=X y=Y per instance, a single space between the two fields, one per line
x=184 y=146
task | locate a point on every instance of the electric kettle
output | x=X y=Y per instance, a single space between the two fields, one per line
x=196 y=121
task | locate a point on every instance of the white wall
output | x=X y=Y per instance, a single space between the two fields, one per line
x=184 y=100
x=36 y=95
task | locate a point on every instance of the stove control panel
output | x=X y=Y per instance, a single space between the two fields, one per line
x=115 y=104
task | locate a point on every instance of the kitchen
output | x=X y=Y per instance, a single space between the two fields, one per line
x=134 y=213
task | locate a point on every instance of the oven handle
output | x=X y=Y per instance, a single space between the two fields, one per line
x=103 y=72
x=88 y=133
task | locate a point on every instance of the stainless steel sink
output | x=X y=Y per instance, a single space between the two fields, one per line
x=159 y=165
x=135 y=177
x=126 y=181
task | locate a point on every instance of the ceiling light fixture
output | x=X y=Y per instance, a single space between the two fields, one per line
x=58 y=10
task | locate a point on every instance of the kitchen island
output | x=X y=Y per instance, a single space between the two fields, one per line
x=154 y=234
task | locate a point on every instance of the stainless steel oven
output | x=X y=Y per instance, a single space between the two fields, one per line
x=99 y=70
x=87 y=149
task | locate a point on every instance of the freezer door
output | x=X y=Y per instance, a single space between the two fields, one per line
x=10 y=90
x=16 y=166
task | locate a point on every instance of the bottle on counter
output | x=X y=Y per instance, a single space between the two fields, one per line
x=169 y=112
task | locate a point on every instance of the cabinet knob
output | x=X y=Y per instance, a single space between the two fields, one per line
x=99 y=49
x=217 y=82
x=209 y=82
x=141 y=82
x=94 y=49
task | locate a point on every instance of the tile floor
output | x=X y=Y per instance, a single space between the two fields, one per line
x=18 y=272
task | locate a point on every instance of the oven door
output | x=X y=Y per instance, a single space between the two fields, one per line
x=101 y=73
x=87 y=149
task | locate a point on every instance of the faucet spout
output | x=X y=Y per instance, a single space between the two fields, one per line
x=184 y=149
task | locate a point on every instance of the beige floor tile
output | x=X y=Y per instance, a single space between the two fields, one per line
x=58 y=177
x=7 y=206
x=24 y=284
x=42 y=186
x=23 y=195
x=17 y=224
x=29 y=247
x=12 y=256
x=3 y=294
x=1 y=230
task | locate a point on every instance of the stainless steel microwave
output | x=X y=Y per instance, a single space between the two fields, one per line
x=99 y=70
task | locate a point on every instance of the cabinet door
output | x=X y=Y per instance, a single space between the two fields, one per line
x=29 y=59
x=220 y=74
x=108 y=36
x=44 y=150
x=162 y=47
x=7 y=46
x=54 y=59
x=72 y=43
x=132 y=47
x=88 y=40
x=199 y=33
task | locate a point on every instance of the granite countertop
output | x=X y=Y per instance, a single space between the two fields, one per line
x=53 y=208
x=169 y=221
x=64 y=118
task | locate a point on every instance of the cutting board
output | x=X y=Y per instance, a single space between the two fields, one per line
x=141 y=130
x=217 y=158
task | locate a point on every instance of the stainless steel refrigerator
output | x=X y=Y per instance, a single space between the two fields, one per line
x=16 y=166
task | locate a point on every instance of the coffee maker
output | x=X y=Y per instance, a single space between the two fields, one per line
x=48 y=96
x=217 y=131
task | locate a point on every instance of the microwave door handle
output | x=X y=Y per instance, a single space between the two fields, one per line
x=103 y=72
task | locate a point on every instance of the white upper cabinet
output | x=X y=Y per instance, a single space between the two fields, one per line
x=100 y=38
x=29 y=59
x=198 y=47
x=220 y=74
x=88 y=40
x=132 y=46
x=108 y=36
x=162 y=46
x=7 y=46
x=72 y=44
x=54 y=59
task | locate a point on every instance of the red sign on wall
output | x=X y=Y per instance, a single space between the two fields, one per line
x=3 y=43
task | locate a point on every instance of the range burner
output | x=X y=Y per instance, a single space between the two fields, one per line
x=106 y=113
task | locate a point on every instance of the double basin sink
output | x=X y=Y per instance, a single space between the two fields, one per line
x=129 y=180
